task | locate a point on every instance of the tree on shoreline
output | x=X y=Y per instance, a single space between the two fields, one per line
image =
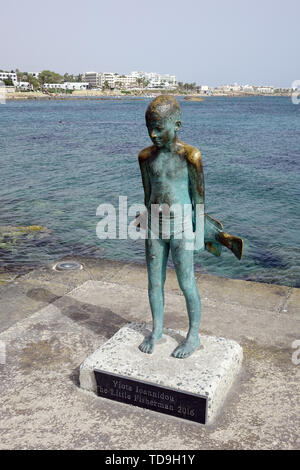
x=187 y=87
x=69 y=77
x=106 y=86
x=28 y=77
x=142 y=82
x=7 y=82
x=47 y=76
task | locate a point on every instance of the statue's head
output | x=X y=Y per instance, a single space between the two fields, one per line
x=163 y=119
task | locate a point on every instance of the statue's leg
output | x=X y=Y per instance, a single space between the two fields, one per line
x=157 y=251
x=184 y=265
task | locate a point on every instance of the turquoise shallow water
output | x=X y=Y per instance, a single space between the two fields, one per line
x=61 y=159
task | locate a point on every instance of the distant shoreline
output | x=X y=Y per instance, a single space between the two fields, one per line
x=87 y=94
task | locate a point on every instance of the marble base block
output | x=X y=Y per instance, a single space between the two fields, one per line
x=194 y=388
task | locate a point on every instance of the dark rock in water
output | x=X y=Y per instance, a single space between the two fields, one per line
x=267 y=259
x=12 y=235
x=193 y=98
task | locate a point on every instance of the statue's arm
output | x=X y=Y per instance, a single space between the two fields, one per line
x=196 y=175
x=196 y=178
x=143 y=155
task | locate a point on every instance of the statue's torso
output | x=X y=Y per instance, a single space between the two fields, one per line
x=169 y=179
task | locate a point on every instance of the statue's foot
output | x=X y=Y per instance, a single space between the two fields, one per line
x=187 y=347
x=147 y=345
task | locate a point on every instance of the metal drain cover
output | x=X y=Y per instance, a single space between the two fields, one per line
x=67 y=266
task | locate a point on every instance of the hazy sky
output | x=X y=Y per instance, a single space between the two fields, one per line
x=208 y=42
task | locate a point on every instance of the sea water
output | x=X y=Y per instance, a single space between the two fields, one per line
x=61 y=159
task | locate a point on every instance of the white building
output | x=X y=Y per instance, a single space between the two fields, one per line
x=25 y=86
x=204 y=88
x=67 y=86
x=156 y=80
x=76 y=85
x=125 y=81
x=228 y=88
x=93 y=79
x=235 y=87
x=97 y=79
x=7 y=75
x=34 y=74
x=114 y=80
x=108 y=78
x=138 y=74
x=265 y=89
x=247 y=88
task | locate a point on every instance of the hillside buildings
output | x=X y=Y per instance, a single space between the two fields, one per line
x=235 y=88
x=156 y=80
x=133 y=80
x=136 y=80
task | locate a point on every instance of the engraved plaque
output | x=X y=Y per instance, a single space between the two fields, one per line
x=152 y=397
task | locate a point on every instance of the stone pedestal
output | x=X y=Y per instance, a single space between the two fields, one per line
x=193 y=388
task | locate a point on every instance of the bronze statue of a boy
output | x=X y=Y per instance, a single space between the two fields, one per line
x=172 y=176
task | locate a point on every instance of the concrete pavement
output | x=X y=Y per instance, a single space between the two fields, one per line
x=51 y=321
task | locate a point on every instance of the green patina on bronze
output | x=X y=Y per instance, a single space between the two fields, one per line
x=172 y=173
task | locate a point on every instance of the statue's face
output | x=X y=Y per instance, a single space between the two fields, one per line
x=162 y=131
